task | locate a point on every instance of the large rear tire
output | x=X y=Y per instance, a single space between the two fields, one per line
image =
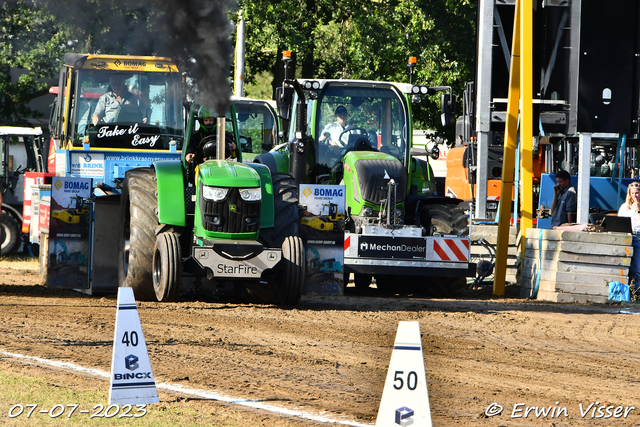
x=286 y=216
x=10 y=233
x=444 y=219
x=449 y=220
x=285 y=287
x=137 y=233
x=167 y=267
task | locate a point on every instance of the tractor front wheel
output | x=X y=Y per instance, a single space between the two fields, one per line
x=10 y=233
x=167 y=267
x=293 y=271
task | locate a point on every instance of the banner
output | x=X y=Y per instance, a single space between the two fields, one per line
x=322 y=230
x=69 y=233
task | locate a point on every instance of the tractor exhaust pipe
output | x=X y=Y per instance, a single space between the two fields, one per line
x=220 y=137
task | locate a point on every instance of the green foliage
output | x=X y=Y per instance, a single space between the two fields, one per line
x=329 y=39
x=31 y=42
x=259 y=86
x=367 y=40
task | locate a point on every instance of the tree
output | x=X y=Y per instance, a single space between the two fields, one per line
x=31 y=41
x=366 y=40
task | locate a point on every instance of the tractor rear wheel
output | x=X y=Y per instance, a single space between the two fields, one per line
x=10 y=232
x=444 y=219
x=450 y=220
x=286 y=219
x=167 y=267
x=285 y=286
x=137 y=233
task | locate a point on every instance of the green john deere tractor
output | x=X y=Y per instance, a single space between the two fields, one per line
x=223 y=220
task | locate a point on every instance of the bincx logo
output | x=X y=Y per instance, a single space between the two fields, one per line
x=131 y=362
x=404 y=416
x=364 y=246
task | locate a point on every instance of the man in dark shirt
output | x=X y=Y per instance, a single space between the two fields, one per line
x=564 y=205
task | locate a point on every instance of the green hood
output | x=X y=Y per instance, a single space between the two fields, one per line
x=222 y=173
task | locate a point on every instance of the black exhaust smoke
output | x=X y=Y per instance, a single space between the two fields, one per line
x=196 y=32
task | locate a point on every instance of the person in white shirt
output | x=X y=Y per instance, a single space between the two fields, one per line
x=631 y=208
x=331 y=132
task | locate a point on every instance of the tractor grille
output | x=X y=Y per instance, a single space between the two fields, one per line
x=371 y=179
x=231 y=215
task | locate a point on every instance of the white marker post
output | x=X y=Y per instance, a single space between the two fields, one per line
x=132 y=379
x=405 y=398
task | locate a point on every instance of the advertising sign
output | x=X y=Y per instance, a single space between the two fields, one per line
x=39 y=192
x=392 y=247
x=86 y=164
x=322 y=230
x=31 y=179
x=69 y=233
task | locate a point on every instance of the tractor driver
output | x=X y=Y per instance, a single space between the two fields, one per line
x=207 y=128
x=332 y=131
x=117 y=95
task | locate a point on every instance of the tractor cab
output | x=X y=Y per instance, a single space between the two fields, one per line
x=258 y=126
x=120 y=104
x=359 y=117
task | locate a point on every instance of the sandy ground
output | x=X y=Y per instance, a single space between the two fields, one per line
x=331 y=355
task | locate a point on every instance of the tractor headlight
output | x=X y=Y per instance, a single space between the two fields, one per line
x=214 y=193
x=367 y=211
x=251 y=194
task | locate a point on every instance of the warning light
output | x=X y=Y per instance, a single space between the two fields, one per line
x=286 y=54
x=412 y=60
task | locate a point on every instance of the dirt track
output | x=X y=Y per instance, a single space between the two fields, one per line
x=331 y=355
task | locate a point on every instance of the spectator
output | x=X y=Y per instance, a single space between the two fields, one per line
x=564 y=205
x=631 y=208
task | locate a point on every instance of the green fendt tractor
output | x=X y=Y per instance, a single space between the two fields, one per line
x=225 y=220
x=397 y=229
